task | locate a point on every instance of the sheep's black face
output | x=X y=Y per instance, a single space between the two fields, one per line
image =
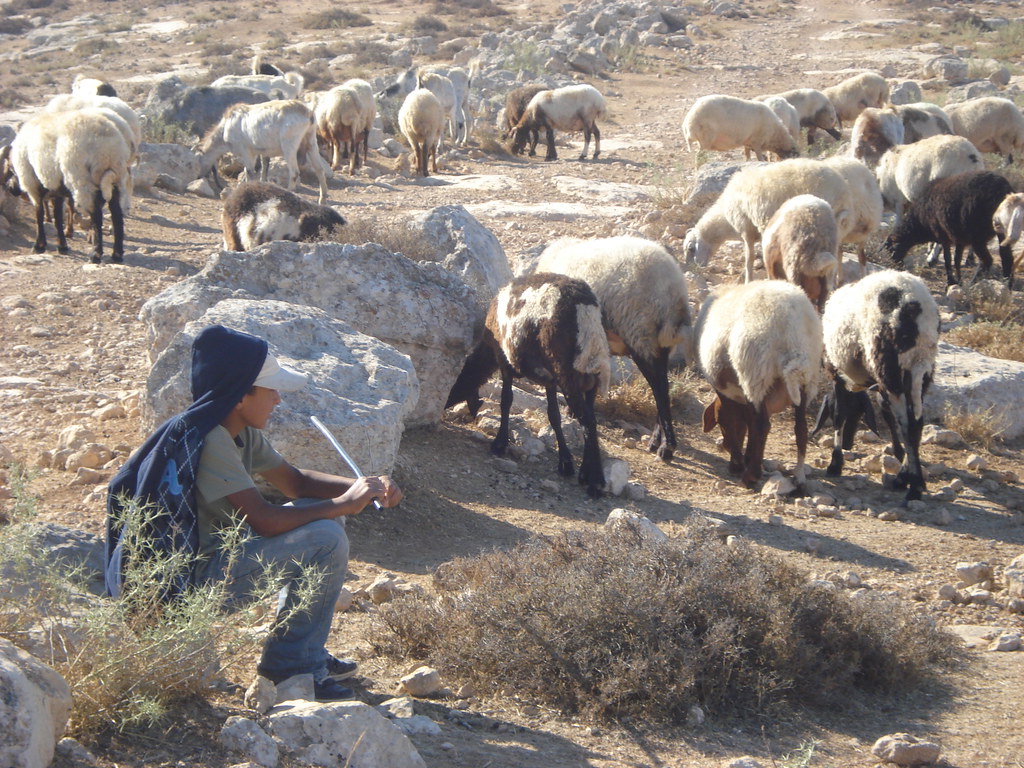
x=519 y=138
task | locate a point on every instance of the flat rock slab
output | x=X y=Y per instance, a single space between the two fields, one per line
x=498 y=209
x=605 y=192
x=970 y=381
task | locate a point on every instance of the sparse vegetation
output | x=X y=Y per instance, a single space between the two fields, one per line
x=607 y=626
x=392 y=234
x=978 y=426
x=477 y=7
x=423 y=26
x=92 y=46
x=1002 y=340
x=336 y=18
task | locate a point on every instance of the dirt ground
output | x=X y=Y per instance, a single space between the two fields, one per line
x=71 y=343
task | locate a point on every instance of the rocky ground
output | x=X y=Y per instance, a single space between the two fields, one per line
x=72 y=352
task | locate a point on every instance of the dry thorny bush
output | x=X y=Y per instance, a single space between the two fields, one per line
x=613 y=627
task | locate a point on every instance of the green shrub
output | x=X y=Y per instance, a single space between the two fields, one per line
x=607 y=626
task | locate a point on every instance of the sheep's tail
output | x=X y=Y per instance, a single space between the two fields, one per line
x=294 y=78
x=797 y=379
x=1015 y=225
x=106 y=185
x=592 y=354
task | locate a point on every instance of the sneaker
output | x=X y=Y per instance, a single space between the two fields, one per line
x=340 y=669
x=331 y=690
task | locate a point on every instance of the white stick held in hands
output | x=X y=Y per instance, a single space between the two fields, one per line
x=341 y=451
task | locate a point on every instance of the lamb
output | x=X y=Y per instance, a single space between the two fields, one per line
x=91 y=86
x=786 y=112
x=957 y=211
x=923 y=119
x=545 y=327
x=1008 y=220
x=275 y=129
x=800 y=244
x=197 y=109
x=442 y=88
x=344 y=117
x=865 y=205
x=721 y=123
x=460 y=80
x=906 y=169
x=256 y=212
x=815 y=111
x=81 y=155
x=515 y=104
x=287 y=87
x=881 y=331
x=992 y=124
x=853 y=94
x=421 y=120
x=750 y=199
x=760 y=347
x=644 y=309
x=570 y=108
x=875 y=132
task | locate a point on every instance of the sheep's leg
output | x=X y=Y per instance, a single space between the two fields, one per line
x=949 y=266
x=433 y=161
x=757 y=436
x=1006 y=261
x=890 y=422
x=586 y=143
x=597 y=141
x=500 y=443
x=910 y=475
x=748 y=267
x=97 y=226
x=800 y=432
x=69 y=225
x=550 y=137
x=534 y=138
x=117 y=225
x=40 y=244
x=591 y=471
x=58 y=222
x=663 y=438
x=984 y=256
x=565 y=462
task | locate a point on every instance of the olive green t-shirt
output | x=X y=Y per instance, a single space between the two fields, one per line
x=225 y=467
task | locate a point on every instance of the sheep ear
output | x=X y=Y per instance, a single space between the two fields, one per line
x=711 y=414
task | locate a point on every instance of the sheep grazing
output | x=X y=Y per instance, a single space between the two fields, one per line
x=800 y=245
x=344 y=117
x=256 y=212
x=957 y=211
x=284 y=129
x=905 y=170
x=722 y=123
x=91 y=86
x=461 y=81
x=875 y=132
x=442 y=88
x=260 y=67
x=547 y=328
x=644 y=309
x=421 y=120
x=923 y=119
x=992 y=124
x=881 y=331
x=750 y=199
x=815 y=111
x=571 y=108
x=760 y=347
x=786 y=112
x=288 y=86
x=865 y=205
x=196 y=109
x=1008 y=220
x=132 y=125
x=854 y=94
x=515 y=105
x=82 y=155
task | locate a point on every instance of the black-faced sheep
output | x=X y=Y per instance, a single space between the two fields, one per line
x=82 y=155
x=851 y=96
x=421 y=120
x=571 y=108
x=750 y=199
x=815 y=111
x=992 y=124
x=197 y=109
x=256 y=212
x=881 y=331
x=722 y=123
x=91 y=86
x=261 y=67
x=515 y=105
x=760 y=347
x=547 y=328
x=644 y=309
x=956 y=211
x=285 y=129
x=923 y=119
x=800 y=245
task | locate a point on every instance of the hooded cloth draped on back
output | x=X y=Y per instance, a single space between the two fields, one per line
x=225 y=364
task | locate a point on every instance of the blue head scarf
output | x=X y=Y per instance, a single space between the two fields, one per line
x=225 y=364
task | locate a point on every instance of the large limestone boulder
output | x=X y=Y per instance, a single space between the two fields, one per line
x=171 y=166
x=419 y=309
x=34 y=708
x=355 y=732
x=467 y=248
x=968 y=380
x=361 y=388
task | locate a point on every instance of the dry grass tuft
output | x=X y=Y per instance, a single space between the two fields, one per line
x=980 y=427
x=337 y=18
x=1002 y=340
x=610 y=627
x=393 y=234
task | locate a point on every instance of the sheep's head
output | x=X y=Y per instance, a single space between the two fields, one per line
x=8 y=178
x=695 y=249
x=520 y=135
x=1008 y=220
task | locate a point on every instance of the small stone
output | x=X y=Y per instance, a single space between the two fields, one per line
x=973 y=573
x=1008 y=641
x=976 y=463
x=424 y=681
x=345 y=601
x=261 y=695
x=549 y=485
x=778 y=485
x=505 y=465
x=774 y=519
x=891 y=464
x=813 y=544
x=636 y=492
x=889 y=515
x=949 y=592
x=904 y=749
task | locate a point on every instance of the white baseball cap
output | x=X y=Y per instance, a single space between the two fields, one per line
x=273 y=375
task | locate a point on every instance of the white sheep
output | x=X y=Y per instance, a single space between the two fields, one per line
x=287 y=87
x=442 y=88
x=721 y=123
x=991 y=123
x=750 y=199
x=800 y=245
x=644 y=308
x=815 y=111
x=923 y=119
x=865 y=205
x=91 y=86
x=905 y=170
x=344 y=116
x=285 y=129
x=256 y=212
x=851 y=96
x=81 y=154
x=421 y=120
x=570 y=108
x=760 y=347
x=881 y=331
x=875 y=132
x=66 y=102
x=1008 y=220
x=786 y=112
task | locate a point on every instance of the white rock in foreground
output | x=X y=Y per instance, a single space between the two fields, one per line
x=904 y=749
x=34 y=706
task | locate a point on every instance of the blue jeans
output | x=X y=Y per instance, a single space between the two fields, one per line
x=296 y=646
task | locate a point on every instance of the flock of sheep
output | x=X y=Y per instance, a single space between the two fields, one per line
x=762 y=345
